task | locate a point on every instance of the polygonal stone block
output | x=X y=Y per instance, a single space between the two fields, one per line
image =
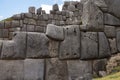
x=56 y=69
x=55 y=32
x=32 y=10
x=113 y=45
x=92 y=17
x=37 y=45
x=11 y=70
x=15 y=24
x=55 y=7
x=70 y=47
x=111 y=20
x=1 y=43
x=118 y=40
x=104 y=48
x=79 y=70
x=110 y=31
x=2 y=24
x=30 y=28
x=89 y=45
x=34 y=69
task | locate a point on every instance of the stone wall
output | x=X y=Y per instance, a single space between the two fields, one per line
x=61 y=45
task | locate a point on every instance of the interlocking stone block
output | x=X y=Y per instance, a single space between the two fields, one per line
x=111 y=20
x=17 y=17
x=11 y=70
x=118 y=40
x=55 y=7
x=89 y=45
x=15 y=23
x=1 y=43
x=110 y=31
x=56 y=69
x=30 y=28
x=32 y=10
x=37 y=45
x=79 y=70
x=104 y=47
x=2 y=24
x=113 y=45
x=55 y=32
x=92 y=17
x=28 y=15
x=34 y=69
x=70 y=47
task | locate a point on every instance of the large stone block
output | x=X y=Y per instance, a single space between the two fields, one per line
x=104 y=47
x=113 y=7
x=11 y=70
x=92 y=17
x=118 y=40
x=1 y=43
x=2 y=24
x=30 y=28
x=56 y=69
x=37 y=45
x=55 y=32
x=31 y=10
x=34 y=69
x=79 y=70
x=29 y=21
x=15 y=23
x=17 y=17
x=16 y=48
x=110 y=31
x=111 y=20
x=113 y=45
x=70 y=47
x=89 y=45
x=55 y=7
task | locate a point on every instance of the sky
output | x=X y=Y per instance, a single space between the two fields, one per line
x=11 y=7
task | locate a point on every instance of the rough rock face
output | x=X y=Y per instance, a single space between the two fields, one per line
x=60 y=45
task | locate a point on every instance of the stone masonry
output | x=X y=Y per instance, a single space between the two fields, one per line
x=61 y=45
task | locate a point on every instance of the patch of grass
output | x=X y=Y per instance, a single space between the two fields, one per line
x=115 y=76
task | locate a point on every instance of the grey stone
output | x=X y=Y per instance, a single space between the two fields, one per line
x=5 y=33
x=37 y=45
x=1 y=33
x=15 y=23
x=28 y=15
x=70 y=47
x=2 y=24
x=1 y=44
x=71 y=8
x=55 y=32
x=111 y=20
x=102 y=73
x=56 y=69
x=89 y=45
x=79 y=69
x=113 y=45
x=39 y=29
x=11 y=70
x=118 y=40
x=45 y=17
x=92 y=17
x=104 y=48
x=30 y=28
x=43 y=12
x=34 y=69
x=113 y=7
x=110 y=31
x=39 y=11
x=16 y=17
x=100 y=3
x=32 y=10
x=29 y=21
x=7 y=24
x=55 y=7
x=53 y=48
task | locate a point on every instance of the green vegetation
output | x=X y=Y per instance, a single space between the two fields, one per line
x=115 y=76
x=7 y=19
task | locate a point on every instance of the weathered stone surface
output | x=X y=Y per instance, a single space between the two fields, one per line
x=1 y=44
x=34 y=69
x=92 y=17
x=70 y=47
x=113 y=7
x=16 y=16
x=16 y=48
x=45 y=17
x=11 y=70
x=7 y=24
x=15 y=23
x=111 y=20
x=78 y=70
x=104 y=48
x=5 y=33
x=29 y=21
x=32 y=10
x=89 y=45
x=39 y=29
x=2 y=24
x=30 y=28
x=55 y=7
x=113 y=45
x=53 y=48
x=37 y=45
x=110 y=31
x=55 y=32
x=39 y=11
x=118 y=40
x=71 y=7
x=56 y=69
x=28 y=15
